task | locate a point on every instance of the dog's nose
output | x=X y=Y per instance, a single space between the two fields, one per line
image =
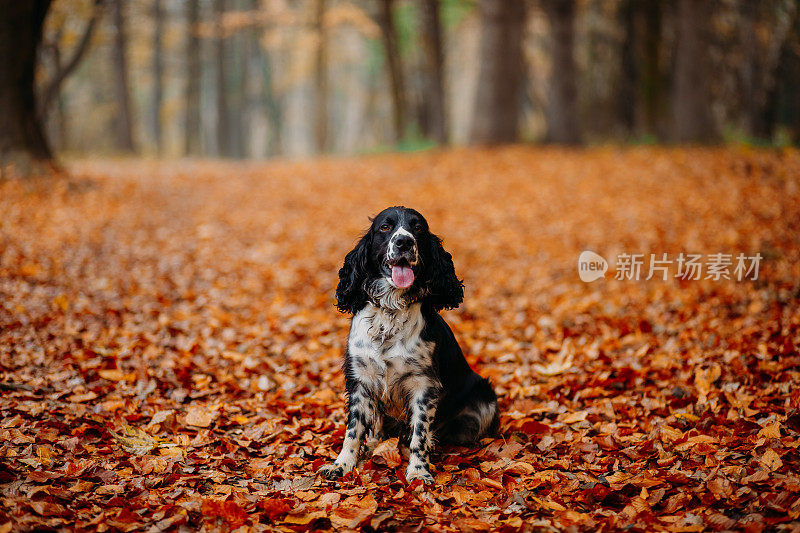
x=404 y=243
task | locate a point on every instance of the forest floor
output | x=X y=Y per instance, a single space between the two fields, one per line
x=170 y=354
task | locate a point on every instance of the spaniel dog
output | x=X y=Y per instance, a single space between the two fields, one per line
x=404 y=371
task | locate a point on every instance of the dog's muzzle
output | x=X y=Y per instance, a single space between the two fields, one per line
x=401 y=259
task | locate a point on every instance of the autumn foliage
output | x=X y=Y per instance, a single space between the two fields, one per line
x=170 y=354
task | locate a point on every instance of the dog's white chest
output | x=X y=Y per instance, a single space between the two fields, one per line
x=388 y=355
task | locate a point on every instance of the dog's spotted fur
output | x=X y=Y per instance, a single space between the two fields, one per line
x=405 y=372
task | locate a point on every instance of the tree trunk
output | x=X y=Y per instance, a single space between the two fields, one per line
x=247 y=108
x=499 y=95
x=434 y=123
x=651 y=83
x=192 y=133
x=788 y=83
x=52 y=115
x=321 y=80
x=562 y=106
x=691 y=102
x=760 y=67
x=61 y=123
x=239 y=57
x=22 y=139
x=224 y=140
x=273 y=103
x=124 y=123
x=628 y=67
x=396 y=78
x=158 y=72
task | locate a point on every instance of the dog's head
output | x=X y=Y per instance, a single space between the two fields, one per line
x=397 y=262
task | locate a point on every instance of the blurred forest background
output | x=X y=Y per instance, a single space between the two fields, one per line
x=267 y=78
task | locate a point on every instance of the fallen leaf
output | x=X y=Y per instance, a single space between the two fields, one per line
x=165 y=416
x=351 y=514
x=111 y=374
x=82 y=397
x=571 y=418
x=559 y=365
x=228 y=511
x=388 y=452
x=134 y=440
x=771 y=460
x=45 y=455
x=201 y=416
x=704 y=379
x=770 y=431
x=305 y=518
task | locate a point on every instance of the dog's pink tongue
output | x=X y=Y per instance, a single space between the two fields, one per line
x=402 y=276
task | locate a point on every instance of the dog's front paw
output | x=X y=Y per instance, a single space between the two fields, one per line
x=332 y=471
x=419 y=472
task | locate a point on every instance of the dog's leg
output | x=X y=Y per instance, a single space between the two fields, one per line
x=372 y=435
x=363 y=419
x=476 y=420
x=423 y=410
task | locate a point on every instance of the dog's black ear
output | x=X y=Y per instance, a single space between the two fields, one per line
x=350 y=294
x=446 y=291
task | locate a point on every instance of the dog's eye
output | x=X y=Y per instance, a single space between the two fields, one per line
x=417 y=227
x=385 y=227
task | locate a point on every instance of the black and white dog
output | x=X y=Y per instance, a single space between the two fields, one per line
x=404 y=371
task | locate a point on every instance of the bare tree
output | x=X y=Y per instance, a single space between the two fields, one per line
x=385 y=21
x=321 y=79
x=562 y=105
x=499 y=96
x=61 y=65
x=434 y=122
x=22 y=139
x=691 y=98
x=63 y=70
x=158 y=72
x=124 y=124
x=192 y=132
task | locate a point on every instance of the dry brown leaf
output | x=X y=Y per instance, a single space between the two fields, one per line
x=389 y=452
x=329 y=498
x=770 y=431
x=45 y=455
x=134 y=440
x=560 y=364
x=304 y=518
x=771 y=460
x=201 y=415
x=82 y=397
x=571 y=418
x=351 y=514
x=520 y=467
x=165 y=416
x=549 y=504
x=111 y=374
x=704 y=379
x=670 y=434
